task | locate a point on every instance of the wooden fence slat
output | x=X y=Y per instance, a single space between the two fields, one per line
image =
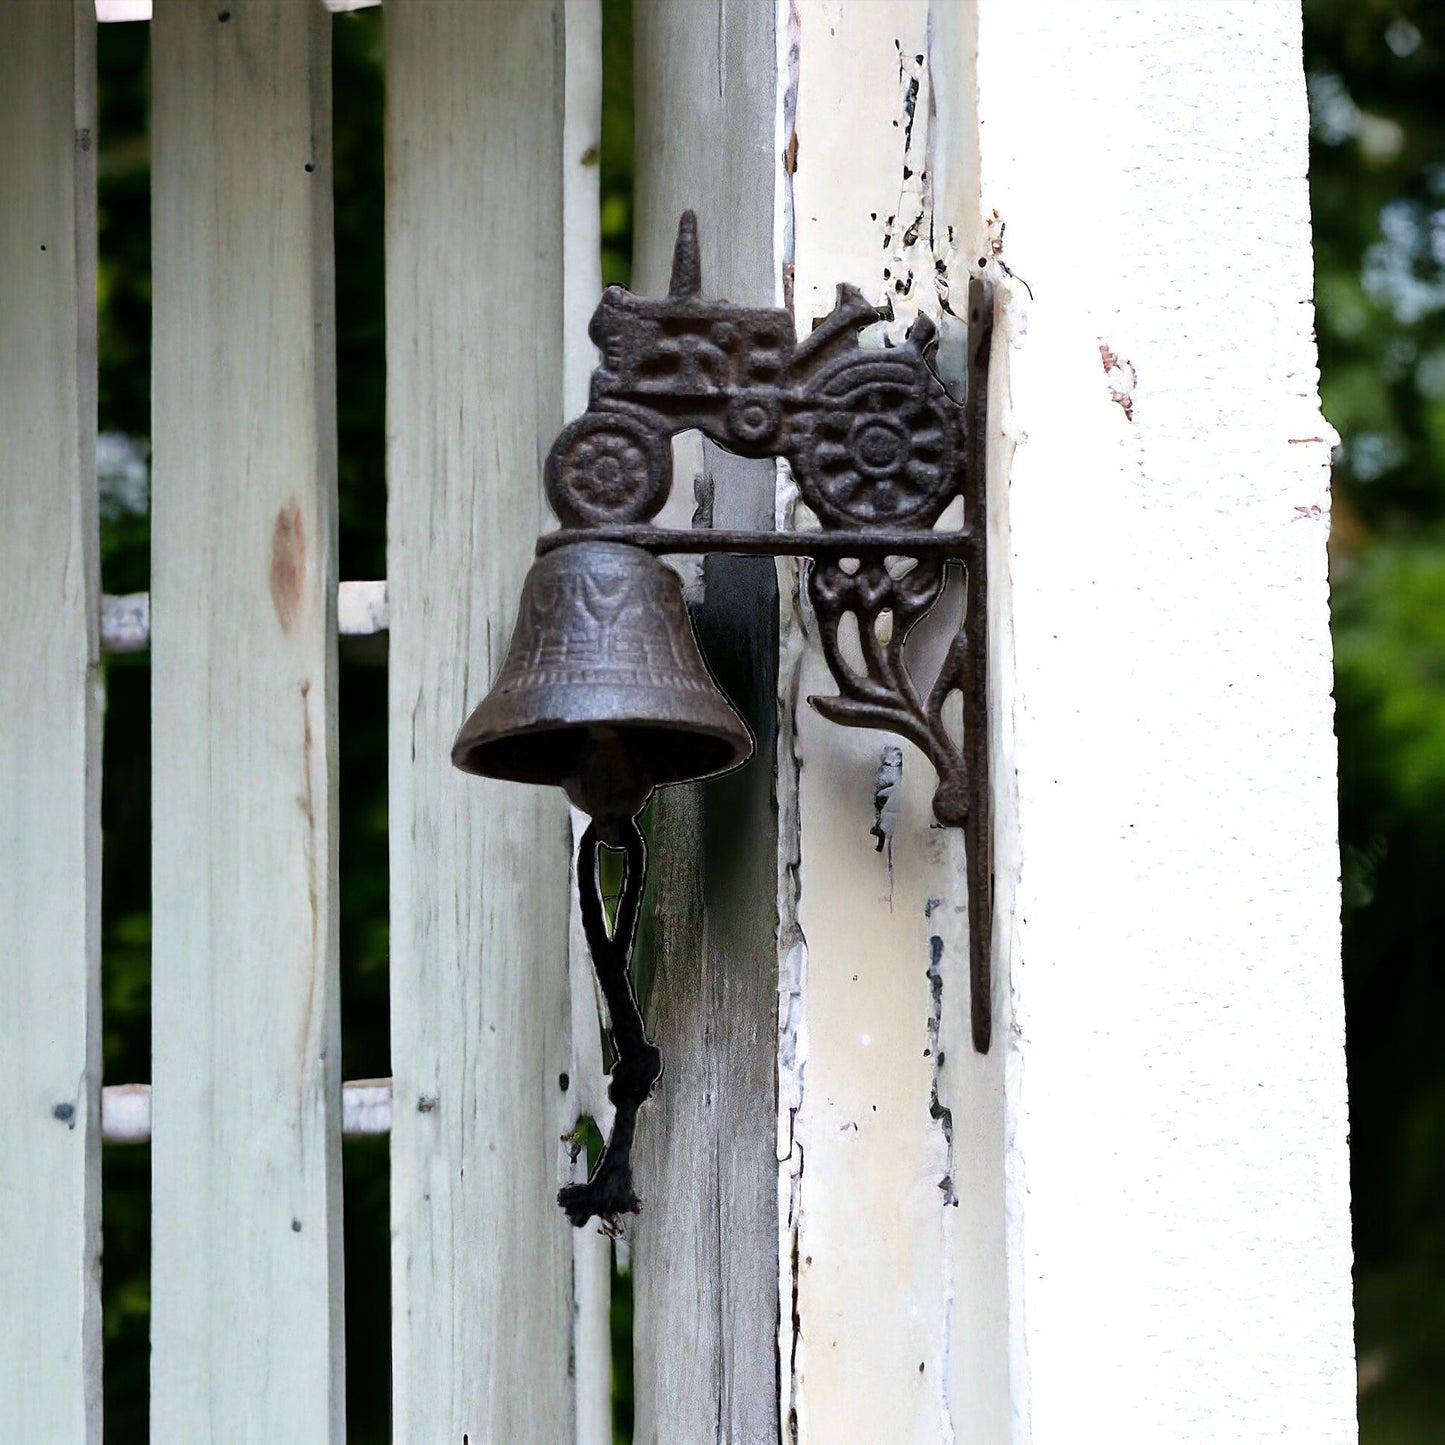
x=705 y=1256
x=50 y=739
x=246 y=1323
x=482 y=1258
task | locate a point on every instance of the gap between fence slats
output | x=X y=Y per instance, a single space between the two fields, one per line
x=482 y=1257
x=246 y=1304
x=50 y=1335
x=581 y=287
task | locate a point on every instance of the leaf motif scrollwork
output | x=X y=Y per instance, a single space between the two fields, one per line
x=884 y=695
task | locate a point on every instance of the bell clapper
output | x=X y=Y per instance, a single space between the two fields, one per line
x=638 y=1067
x=611 y=784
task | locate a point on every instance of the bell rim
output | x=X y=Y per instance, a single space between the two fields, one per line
x=745 y=748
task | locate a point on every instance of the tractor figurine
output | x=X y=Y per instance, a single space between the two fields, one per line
x=870 y=434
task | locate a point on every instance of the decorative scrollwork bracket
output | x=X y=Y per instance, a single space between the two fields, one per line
x=880 y=452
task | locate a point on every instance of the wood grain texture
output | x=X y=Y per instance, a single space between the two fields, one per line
x=1179 y=1202
x=587 y=1093
x=482 y=1256
x=50 y=1337
x=246 y=1274
x=705 y=1257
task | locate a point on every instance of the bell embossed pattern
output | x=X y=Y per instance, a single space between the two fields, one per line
x=603 y=691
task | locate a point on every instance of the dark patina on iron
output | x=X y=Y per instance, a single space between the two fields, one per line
x=604 y=691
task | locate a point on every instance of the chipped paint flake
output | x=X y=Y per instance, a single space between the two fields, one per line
x=1121 y=377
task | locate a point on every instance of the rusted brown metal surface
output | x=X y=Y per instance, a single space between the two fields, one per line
x=604 y=691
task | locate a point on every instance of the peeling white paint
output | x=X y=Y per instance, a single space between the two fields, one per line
x=50 y=736
x=896 y=1324
x=885 y=803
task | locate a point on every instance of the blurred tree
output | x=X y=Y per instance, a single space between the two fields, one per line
x=1377 y=103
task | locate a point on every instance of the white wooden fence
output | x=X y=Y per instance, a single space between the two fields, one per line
x=1129 y=1221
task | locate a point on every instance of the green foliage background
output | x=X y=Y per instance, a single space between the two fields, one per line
x=1377 y=78
x=1377 y=89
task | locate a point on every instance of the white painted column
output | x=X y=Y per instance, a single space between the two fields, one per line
x=246 y=1322
x=482 y=1299
x=50 y=693
x=1179 y=1238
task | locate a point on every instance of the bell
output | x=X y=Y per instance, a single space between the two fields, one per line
x=603 y=692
